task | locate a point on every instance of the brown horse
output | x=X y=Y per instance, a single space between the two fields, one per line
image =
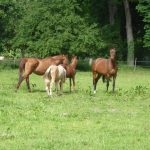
x=37 y=66
x=106 y=68
x=71 y=71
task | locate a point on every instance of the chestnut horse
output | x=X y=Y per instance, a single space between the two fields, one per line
x=106 y=68
x=37 y=66
x=71 y=71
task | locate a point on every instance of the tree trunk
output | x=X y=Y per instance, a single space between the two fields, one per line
x=112 y=11
x=129 y=32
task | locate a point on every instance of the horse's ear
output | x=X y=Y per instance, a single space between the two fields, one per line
x=112 y=49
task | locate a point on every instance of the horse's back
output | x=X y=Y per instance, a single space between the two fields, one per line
x=51 y=73
x=43 y=65
x=55 y=73
x=62 y=72
x=28 y=64
x=104 y=67
x=100 y=66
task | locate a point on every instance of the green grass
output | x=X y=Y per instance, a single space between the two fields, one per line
x=77 y=120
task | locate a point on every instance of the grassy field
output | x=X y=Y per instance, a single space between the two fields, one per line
x=78 y=120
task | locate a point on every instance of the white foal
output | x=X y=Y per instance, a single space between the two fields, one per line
x=54 y=74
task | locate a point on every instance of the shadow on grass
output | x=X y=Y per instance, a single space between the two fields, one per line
x=38 y=90
x=72 y=92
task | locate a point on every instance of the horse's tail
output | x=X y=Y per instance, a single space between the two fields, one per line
x=47 y=73
x=22 y=66
x=91 y=61
x=64 y=77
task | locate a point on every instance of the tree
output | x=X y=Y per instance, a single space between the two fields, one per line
x=51 y=27
x=144 y=8
x=8 y=15
x=112 y=11
x=82 y=27
x=129 y=32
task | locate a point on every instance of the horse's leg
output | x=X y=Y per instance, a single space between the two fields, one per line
x=28 y=70
x=107 y=85
x=73 y=79
x=94 y=85
x=70 y=83
x=28 y=85
x=19 y=82
x=95 y=80
x=21 y=69
x=26 y=76
x=21 y=78
x=57 y=83
x=47 y=86
x=61 y=86
x=50 y=89
x=114 y=79
x=55 y=86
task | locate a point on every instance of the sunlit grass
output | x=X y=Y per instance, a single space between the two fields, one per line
x=77 y=120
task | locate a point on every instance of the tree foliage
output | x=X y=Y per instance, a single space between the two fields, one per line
x=8 y=17
x=144 y=8
x=83 y=27
x=50 y=27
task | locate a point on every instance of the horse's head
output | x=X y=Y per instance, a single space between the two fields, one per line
x=74 y=59
x=60 y=59
x=113 y=53
x=65 y=59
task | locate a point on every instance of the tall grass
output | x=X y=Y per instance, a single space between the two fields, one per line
x=77 y=120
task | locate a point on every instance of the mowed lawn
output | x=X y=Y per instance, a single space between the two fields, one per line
x=77 y=120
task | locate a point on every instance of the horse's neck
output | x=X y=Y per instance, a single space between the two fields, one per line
x=73 y=64
x=113 y=62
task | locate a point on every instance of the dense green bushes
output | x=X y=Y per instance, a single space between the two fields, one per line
x=9 y=64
